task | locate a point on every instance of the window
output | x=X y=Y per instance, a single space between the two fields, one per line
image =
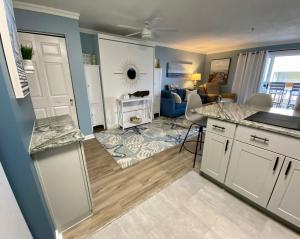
x=281 y=78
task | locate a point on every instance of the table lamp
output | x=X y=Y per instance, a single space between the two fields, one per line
x=196 y=77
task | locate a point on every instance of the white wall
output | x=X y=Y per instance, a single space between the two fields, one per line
x=13 y=225
x=114 y=55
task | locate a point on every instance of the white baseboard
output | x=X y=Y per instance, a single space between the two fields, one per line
x=90 y=136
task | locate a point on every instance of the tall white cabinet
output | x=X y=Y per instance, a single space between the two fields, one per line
x=157 y=90
x=94 y=90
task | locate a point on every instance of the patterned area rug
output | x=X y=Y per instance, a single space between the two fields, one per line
x=133 y=145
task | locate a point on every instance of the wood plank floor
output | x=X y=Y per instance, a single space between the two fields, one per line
x=116 y=190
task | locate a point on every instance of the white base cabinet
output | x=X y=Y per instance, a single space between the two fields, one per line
x=262 y=166
x=252 y=172
x=63 y=176
x=285 y=200
x=216 y=154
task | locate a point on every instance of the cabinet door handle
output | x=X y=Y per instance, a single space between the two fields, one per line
x=288 y=168
x=254 y=137
x=218 y=127
x=276 y=163
x=226 y=146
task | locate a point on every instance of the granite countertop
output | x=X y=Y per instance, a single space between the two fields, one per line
x=53 y=132
x=236 y=113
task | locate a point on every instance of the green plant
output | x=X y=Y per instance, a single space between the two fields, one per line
x=27 y=52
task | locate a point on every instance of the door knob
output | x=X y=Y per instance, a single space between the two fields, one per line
x=71 y=102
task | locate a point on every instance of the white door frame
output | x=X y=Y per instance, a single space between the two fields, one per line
x=69 y=82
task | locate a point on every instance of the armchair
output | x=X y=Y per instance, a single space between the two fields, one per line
x=168 y=106
x=212 y=90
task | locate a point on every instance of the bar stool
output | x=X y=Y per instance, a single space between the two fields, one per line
x=194 y=101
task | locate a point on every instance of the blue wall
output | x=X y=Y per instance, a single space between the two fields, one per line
x=16 y=123
x=234 y=58
x=166 y=55
x=89 y=44
x=45 y=23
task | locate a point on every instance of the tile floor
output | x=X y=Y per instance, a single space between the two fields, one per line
x=193 y=207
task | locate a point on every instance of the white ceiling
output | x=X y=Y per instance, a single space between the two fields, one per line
x=203 y=25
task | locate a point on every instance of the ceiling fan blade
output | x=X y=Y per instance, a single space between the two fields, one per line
x=133 y=34
x=128 y=27
x=164 y=29
x=153 y=20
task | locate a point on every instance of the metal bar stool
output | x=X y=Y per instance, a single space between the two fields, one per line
x=194 y=101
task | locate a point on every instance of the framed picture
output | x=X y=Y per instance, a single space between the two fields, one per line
x=219 y=70
x=179 y=69
x=12 y=49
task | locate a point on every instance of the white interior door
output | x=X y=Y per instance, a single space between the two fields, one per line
x=50 y=84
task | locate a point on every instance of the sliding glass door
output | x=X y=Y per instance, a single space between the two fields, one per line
x=281 y=78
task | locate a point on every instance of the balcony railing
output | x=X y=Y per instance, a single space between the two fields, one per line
x=284 y=94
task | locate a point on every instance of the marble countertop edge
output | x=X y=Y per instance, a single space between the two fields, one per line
x=234 y=113
x=54 y=132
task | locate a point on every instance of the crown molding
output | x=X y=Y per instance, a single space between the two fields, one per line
x=44 y=9
x=152 y=43
x=88 y=31
x=249 y=46
x=177 y=47
x=114 y=37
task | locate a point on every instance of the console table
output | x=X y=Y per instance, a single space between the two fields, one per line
x=135 y=106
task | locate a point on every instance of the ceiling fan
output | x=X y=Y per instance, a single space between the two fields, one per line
x=148 y=30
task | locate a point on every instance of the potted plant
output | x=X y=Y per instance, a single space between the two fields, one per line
x=27 y=53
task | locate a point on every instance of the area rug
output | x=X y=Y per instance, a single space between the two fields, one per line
x=130 y=146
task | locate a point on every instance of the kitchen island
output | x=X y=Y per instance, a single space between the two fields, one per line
x=58 y=154
x=259 y=162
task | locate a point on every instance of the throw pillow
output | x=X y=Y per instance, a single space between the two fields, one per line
x=177 y=98
x=188 y=93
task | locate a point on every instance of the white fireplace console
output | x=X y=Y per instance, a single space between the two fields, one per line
x=135 y=106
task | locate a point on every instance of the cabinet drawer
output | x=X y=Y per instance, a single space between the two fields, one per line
x=221 y=128
x=268 y=140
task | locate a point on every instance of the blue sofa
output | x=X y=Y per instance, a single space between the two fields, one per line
x=168 y=106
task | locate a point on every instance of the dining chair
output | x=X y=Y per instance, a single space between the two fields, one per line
x=277 y=91
x=297 y=104
x=260 y=99
x=294 y=94
x=197 y=120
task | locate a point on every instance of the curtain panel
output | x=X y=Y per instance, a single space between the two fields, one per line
x=248 y=74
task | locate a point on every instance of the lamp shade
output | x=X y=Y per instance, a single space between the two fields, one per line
x=196 y=77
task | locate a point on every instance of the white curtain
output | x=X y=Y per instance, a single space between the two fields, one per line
x=248 y=74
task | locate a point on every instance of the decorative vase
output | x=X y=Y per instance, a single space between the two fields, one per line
x=28 y=65
x=156 y=63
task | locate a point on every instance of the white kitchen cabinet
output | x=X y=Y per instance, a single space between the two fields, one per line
x=285 y=200
x=216 y=156
x=157 y=90
x=63 y=176
x=252 y=172
x=94 y=90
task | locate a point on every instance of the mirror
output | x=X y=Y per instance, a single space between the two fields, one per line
x=131 y=73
